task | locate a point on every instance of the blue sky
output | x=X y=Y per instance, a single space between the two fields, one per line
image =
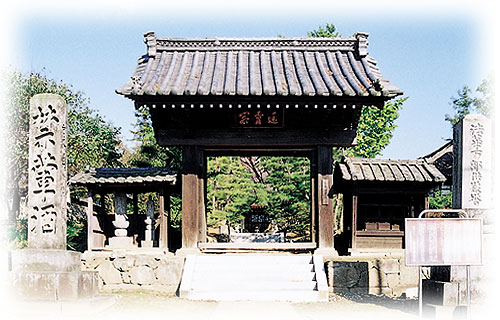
x=429 y=51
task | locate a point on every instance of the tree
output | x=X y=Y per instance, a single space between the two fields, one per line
x=375 y=128
x=329 y=31
x=91 y=140
x=466 y=103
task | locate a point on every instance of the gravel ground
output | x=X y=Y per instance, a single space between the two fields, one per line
x=131 y=305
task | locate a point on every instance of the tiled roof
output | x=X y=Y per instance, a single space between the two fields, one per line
x=258 y=67
x=360 y=169
x=124 y=176
x=442 y=159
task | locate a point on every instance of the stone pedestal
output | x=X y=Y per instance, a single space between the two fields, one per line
x=121 y=242
x=45 y=274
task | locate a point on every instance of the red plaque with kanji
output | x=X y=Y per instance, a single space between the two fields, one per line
x=258 y=118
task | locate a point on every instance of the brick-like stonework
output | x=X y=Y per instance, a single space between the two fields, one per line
x=134 y=269
x=371 y=275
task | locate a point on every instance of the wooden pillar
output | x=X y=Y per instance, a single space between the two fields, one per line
x=90 y=221
x=135 y=200
x=326 y=216
x=354 y=220
x=164 y=210
x=314 y=196
x=192 y=186
x=202 y=194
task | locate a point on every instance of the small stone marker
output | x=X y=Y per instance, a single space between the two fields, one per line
x=47 y=173
x=149 y=233
x=121 y=223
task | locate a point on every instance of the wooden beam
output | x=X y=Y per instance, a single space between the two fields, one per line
x=256 y=138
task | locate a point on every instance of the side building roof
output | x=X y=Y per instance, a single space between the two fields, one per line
x=337 y=67
x=124 y=176
x=387 y=170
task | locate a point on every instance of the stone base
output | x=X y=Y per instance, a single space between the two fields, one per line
x=135 y=270
x=49 y=274
x=183 y=252
x=121 y=242
x=146 y=244
x=45 y=260
x=326 y=252
x=48 y=285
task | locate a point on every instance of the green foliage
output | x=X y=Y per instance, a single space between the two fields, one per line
x=149 y=153
x=375 y=129
x=440 y=200
x=230 y=191
x=466 y=103
x=329 y=31
x=289 y=202
x=282 y=184
x=91 y=140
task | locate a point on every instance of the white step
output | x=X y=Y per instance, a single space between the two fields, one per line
x=257 y=268
x=253 y=259
x=252 y=286
x=238 y=275
x=256 y=277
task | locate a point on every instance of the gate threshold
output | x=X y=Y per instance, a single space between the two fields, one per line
x=255 y=246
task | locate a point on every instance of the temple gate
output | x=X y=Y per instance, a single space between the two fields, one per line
x=279 y=96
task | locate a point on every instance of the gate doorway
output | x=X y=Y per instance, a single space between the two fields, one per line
x=263 y=199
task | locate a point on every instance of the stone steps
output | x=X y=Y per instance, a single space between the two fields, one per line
x=254 y=277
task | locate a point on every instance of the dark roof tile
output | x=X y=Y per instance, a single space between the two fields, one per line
x=277 y=66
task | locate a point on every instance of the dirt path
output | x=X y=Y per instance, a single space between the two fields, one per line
x=133 y=305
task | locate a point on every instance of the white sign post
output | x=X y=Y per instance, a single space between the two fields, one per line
x=443 y=242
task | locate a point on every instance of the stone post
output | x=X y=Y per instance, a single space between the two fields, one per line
x=47 y=173
x=149 y=232
x=472 y=191
x=46 y=270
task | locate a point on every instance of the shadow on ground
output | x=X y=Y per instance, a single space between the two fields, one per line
x=409 y=306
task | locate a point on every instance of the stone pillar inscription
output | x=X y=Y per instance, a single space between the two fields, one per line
x=47 y=175
x=472 y=175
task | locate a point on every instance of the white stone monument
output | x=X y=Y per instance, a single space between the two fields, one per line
x=46 y=270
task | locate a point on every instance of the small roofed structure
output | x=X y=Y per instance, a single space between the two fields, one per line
x=121 y=182
x=378 y=195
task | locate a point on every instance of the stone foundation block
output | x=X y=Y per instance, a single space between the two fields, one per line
x=46 y=285
x=108 y=273
x=142 y=275
x=45 y=260
x=440 y=293
x=169 y=272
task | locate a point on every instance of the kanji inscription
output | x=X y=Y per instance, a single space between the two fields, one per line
x=47 y=175
x=259 y=118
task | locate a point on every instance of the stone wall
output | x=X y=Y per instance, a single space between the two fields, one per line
x=372 y=275
x=129 y=270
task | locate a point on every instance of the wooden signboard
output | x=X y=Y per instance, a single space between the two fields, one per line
x=443 y=241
